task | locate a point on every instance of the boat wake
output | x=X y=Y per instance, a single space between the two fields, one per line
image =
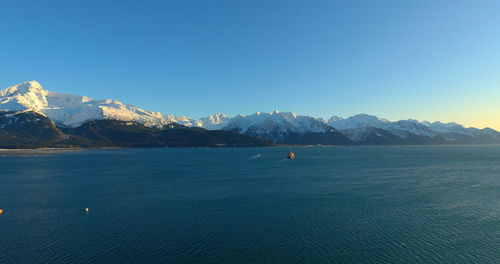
x=256 y=156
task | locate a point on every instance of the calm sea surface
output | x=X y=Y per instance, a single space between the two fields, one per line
x=233 y=205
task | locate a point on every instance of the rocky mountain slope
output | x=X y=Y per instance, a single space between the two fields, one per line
x=29 y=129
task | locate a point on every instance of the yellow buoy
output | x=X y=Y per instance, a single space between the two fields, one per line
x=86 y=210
x=1 y=211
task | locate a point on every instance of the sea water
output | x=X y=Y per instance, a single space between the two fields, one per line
x=393 y=204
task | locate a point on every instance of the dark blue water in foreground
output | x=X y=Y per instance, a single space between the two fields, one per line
x=330 y=205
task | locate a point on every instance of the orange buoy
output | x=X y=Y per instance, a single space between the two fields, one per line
x=1 y=211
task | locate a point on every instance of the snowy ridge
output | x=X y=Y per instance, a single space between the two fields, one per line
x=283 y=121
x=357 y=121
x=358 y=127
x=400 y=128
x=73 y=110
x=213 y=122
x=277 y=126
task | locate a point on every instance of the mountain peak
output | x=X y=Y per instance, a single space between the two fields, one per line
x=358 y=121
x=335 y=118
x=365 y=117
x=26 y=95
x=71 y=110
x=22 y=88
x=33 y=84
x=29 y=86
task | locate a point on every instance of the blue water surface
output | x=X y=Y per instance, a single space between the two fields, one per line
x=395 y=204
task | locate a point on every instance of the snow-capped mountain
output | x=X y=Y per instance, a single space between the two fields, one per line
x=363 y=128
x=357 y=121
x=284 y=127
x=213 y=122
x=71 y=111
x=283 y=121
x=74 y=110
x=401 y=128
x=450 y=128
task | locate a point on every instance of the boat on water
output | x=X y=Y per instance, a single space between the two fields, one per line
x=290 y=155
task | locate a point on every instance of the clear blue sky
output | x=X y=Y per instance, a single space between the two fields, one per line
x=429 y=60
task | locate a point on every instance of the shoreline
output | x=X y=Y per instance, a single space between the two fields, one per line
x=46 y=151
x=38 y=151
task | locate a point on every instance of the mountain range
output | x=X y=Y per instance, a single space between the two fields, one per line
x=29 y=113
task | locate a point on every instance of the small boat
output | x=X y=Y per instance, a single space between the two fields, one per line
x=290 y=155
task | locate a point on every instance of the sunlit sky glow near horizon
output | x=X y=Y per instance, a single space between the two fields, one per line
x=426 y=60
